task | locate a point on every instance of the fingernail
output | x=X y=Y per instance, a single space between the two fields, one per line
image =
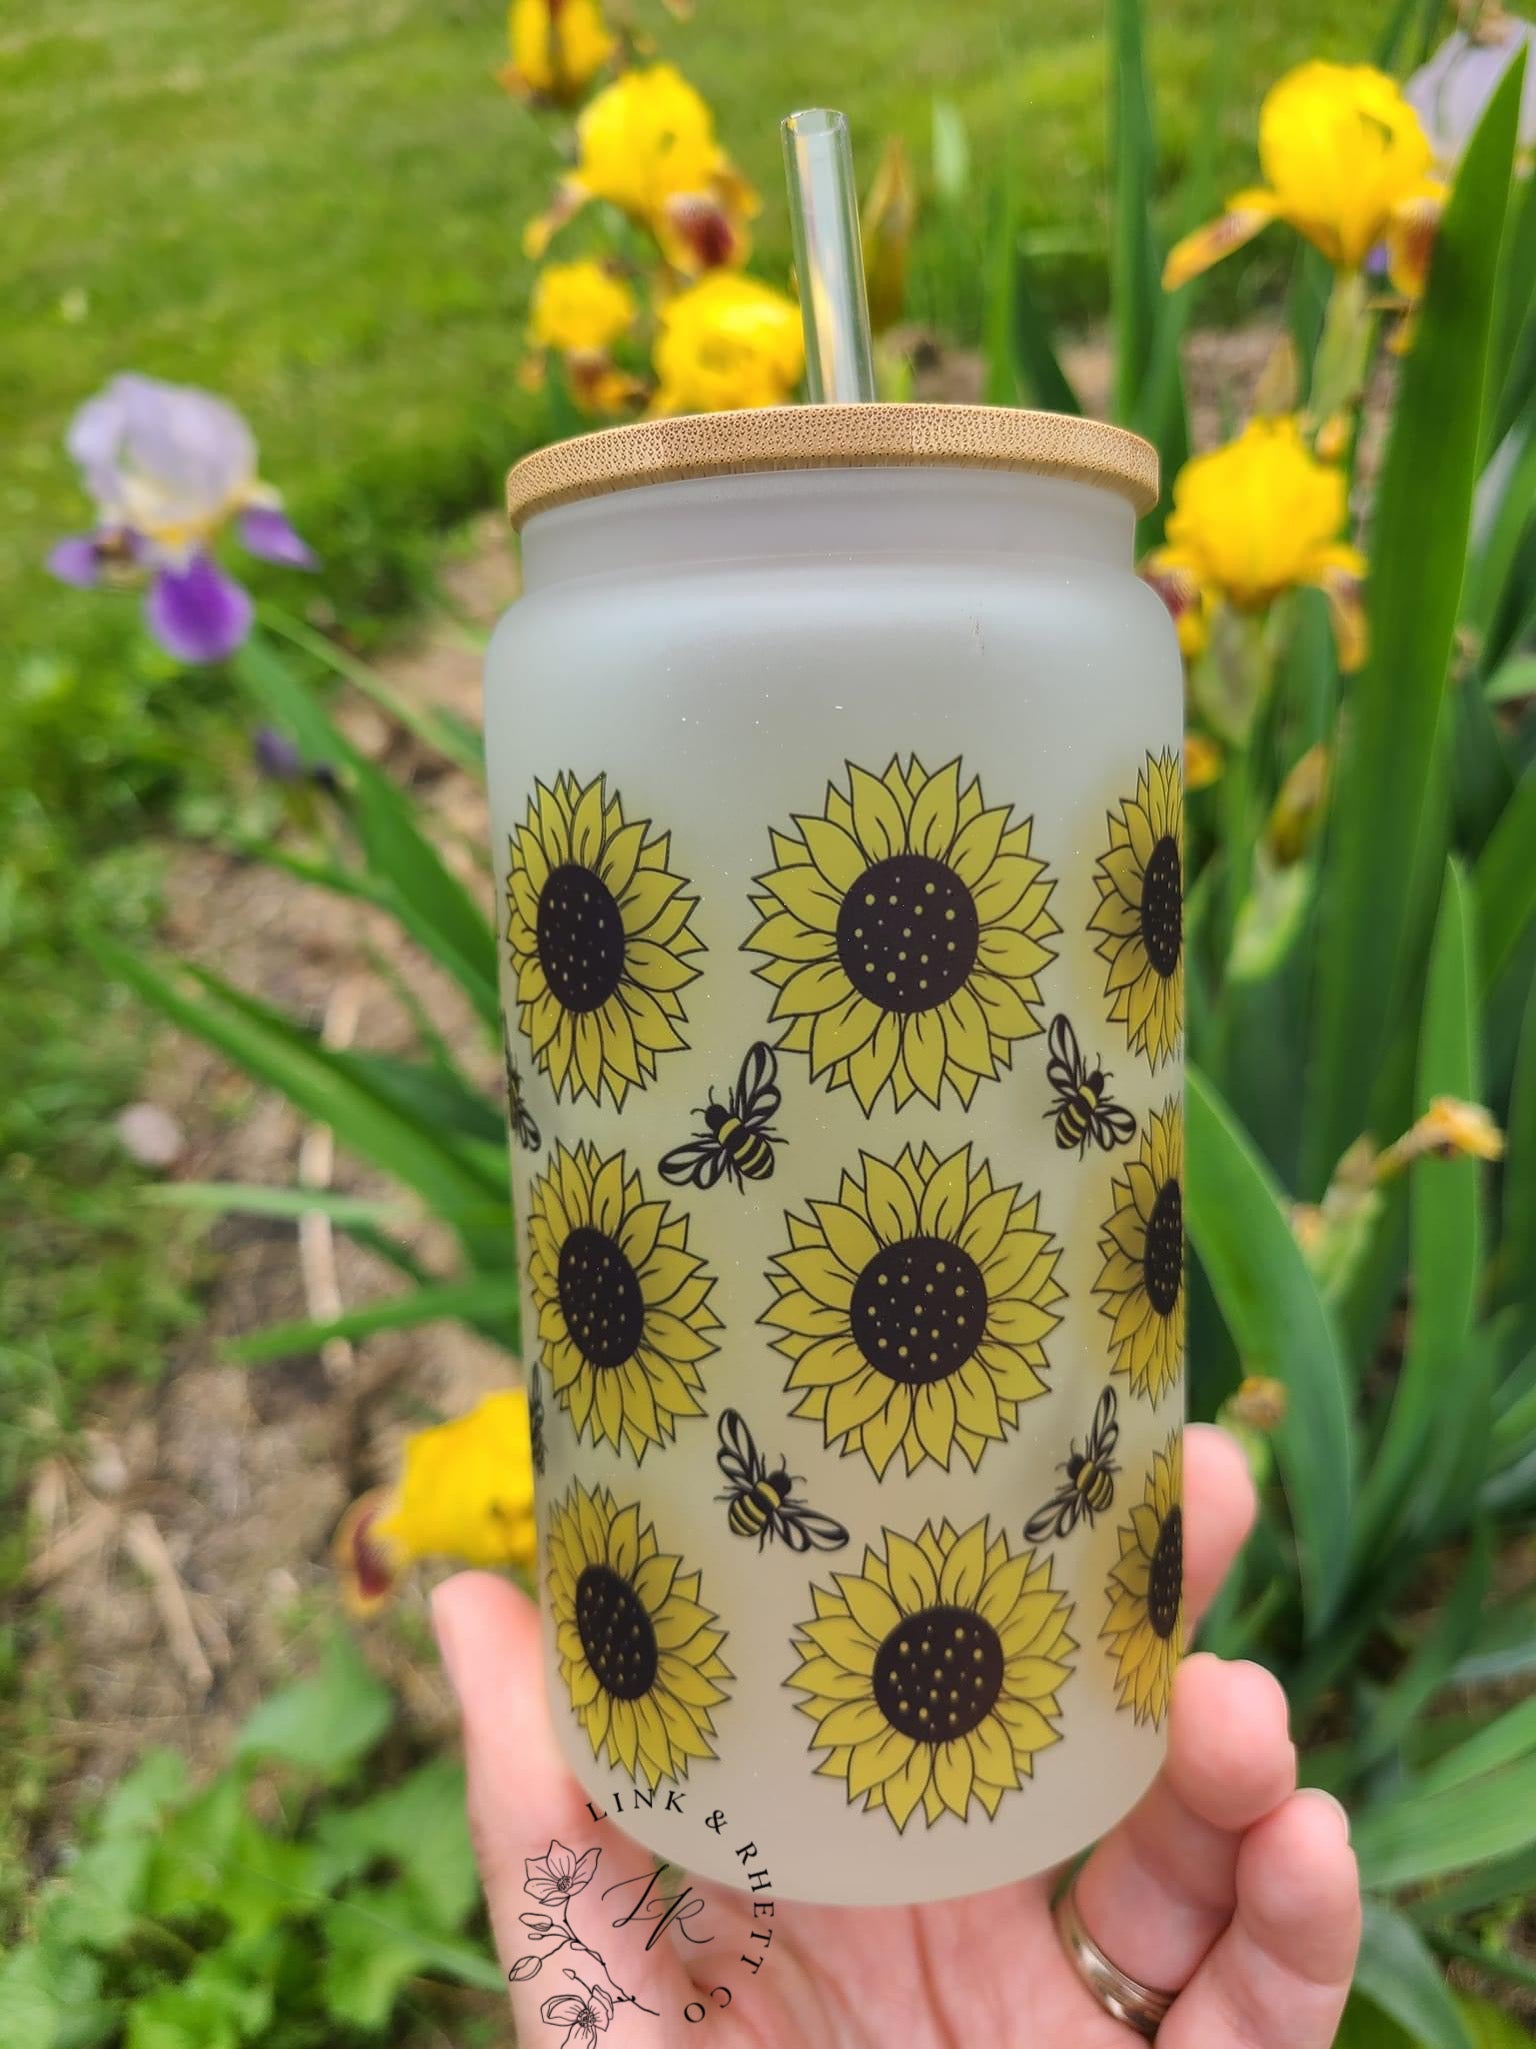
x=1327 y=1799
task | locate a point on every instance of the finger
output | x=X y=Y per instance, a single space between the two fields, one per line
x=1279 y=1977
x=1161 y=1887
x=1220 y=1505
x=522 y=1798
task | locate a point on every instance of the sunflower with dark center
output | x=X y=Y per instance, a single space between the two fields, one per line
x=1141 y=1282
x=904 y=928
x=932 y=1676
x=599 y=933
x=1140 y=882
x=1144 y=1633
x=915 y=1308
x=638 y=1653
x=622 y=1304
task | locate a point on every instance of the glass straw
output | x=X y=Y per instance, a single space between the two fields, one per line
x=829 y=257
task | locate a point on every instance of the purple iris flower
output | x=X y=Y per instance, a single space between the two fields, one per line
x=280 y=761
x=169 y=468
x=1451 y=91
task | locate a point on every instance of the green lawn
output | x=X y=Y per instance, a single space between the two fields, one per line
x=314 y=205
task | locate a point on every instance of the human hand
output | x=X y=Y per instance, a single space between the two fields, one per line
x=1224 y=1882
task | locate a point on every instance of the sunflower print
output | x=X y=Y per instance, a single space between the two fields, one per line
x=638 y=1653
x=915 y=1308
x=1142 y=1278
x=599 y=932
x=905 y=927
x=1140 y=881
x=932 y=1676
x=622 y=1304
x=1144 y=1634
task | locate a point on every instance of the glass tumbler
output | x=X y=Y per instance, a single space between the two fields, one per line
x=835 y=772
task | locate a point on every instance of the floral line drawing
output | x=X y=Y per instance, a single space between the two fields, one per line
x=554 y=1881
x=582 y=2019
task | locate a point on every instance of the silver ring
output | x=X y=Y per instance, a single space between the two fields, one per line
x=1141 y=2007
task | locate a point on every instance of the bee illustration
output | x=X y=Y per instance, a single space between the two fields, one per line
x=1082 y=1110
x=1089 y=1487
x=536 y=1419
x=761 y=1503
x=524 y=1128
x=738 y=1141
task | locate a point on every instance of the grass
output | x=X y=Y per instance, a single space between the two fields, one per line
x=96 y=1284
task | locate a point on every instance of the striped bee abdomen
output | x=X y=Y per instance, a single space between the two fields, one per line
x=750 y=1151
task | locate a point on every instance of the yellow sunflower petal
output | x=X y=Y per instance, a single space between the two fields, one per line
x=965 y=1568
x=882 y=1434
x=954 y=1770
x=807 y=895
x=836 y=853
x=890 y=1757
x=848 y=1236
x=877 y=817
x=841 y=1639
x=873 y=1065
x=892 y=1210
x=819 y=986
x=936 y=813
x=943 y=1210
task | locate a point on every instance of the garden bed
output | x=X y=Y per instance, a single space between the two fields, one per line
x=246 y=1470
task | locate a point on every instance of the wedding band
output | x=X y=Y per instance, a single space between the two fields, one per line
x=1139 y=2006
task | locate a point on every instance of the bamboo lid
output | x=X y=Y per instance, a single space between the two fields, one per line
x=828 y=437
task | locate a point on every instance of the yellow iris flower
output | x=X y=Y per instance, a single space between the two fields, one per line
x=1202 y=762
x=1448 y=1128
x=580 y=310
x=1298 y=807
x=1262 y=516
x=1345 y=159
x=725 y=343
x=580 y=306
x=465 y=1492
x=886 y=222
x=557 y=48
x=646 y=144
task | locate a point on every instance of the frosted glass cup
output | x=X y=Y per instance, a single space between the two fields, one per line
x=835 y=781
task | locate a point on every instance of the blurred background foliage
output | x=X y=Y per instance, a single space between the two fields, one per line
x=345 y=261
x=317 y=210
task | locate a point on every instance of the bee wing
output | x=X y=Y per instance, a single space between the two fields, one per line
x=1113 y=1125
x=738 y=1457
x=823 y=1532
x=1055 y=1519
x=1064 y=1069
x=1105 y=1434
x=699 y=1161
x=755 y=1097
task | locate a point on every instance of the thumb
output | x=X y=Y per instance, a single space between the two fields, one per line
x=526 y=1809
